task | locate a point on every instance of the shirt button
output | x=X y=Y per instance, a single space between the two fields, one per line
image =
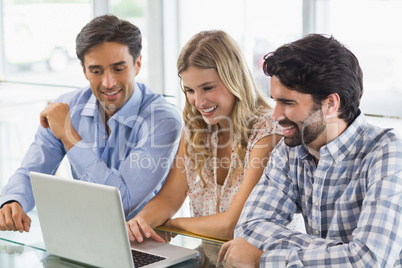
x=317 y=231
x=104 y=137
x=317 y=203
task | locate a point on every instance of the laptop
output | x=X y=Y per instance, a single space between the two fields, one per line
x=84 y=222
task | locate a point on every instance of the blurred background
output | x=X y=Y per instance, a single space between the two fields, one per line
x=38 y=61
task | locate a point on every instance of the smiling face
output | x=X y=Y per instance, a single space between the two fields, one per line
x=206 y=92
x=301 y=118
x=110 y=70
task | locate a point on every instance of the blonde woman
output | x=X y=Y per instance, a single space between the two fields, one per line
x=225 y=145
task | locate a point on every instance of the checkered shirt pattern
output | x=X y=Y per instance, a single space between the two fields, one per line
x=351 y=203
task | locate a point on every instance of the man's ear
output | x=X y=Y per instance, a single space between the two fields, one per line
x=332 y=104
x=137 y=65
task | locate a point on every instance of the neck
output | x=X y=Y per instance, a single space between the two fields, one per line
x=105 y=117
x=335 y=127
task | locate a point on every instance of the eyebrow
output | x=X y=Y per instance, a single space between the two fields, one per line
x=113 y=64
x=119 y=63
x=282 y=99
x=202 y=85
x=206 y=83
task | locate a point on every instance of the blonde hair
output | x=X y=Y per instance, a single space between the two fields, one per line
x=219 y=51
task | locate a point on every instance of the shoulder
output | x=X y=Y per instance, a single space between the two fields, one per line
x=265 y=124
x=74 y=97
x=363 y=137
x=380 y=139
x=378 y=153
x=262 y=127
x=156 y=106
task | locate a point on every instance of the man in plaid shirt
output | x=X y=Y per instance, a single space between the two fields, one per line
x=343 y=174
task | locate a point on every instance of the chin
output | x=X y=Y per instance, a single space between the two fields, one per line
x=291 y=142
x=209 y=121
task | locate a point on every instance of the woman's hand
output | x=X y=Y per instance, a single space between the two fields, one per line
x=138 y=228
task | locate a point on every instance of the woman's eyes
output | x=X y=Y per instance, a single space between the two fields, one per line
x=188 y=90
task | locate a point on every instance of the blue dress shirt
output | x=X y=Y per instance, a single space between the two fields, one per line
x=351 y=203
x=136 y=157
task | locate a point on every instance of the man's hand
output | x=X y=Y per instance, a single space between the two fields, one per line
x=13 y=218
x=240 y=253
x=56 y=117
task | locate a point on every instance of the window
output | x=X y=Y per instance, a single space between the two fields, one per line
x=371 y=29
x=135 y=12
x=39 y=41
x=38 y=50
x=258 y=26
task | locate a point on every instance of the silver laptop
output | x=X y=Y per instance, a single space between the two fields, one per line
x=84 y=222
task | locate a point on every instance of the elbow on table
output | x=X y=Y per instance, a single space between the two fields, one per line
x=227 y=231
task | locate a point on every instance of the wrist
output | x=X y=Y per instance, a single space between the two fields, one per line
x=258 y=260
x=9 y=202
x=71 y=139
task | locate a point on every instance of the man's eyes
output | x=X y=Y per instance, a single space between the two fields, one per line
x=96 y=71
x=119 y=69
x=100 y=71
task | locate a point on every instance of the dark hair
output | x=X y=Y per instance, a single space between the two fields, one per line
x=319 y=66
x=108 y=28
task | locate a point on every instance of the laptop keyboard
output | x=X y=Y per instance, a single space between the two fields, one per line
x=141 y=258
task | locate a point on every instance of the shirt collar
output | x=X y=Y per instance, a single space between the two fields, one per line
x=124 y=115
x=341 y=146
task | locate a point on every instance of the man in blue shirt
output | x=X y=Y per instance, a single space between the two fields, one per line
x=116 y=132
x=341 y=173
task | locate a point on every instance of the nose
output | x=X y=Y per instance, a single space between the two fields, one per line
x=199 y=99
x=277 y=113
x=108 y=80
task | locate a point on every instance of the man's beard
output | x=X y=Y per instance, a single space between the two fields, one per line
x=308 y=130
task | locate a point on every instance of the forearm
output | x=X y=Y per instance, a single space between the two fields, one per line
x=157 y=211
x=70 y=139
x=371 y=245
x=353 y=254
x=18 y=189
x=44 y=155
x=286 y=248
x=217 y=226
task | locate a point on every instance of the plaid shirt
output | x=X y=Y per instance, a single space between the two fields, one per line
x=351 y=203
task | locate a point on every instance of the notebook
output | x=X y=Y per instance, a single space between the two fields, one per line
x=84 y=222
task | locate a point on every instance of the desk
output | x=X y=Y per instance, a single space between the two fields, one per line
x=27 y=250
